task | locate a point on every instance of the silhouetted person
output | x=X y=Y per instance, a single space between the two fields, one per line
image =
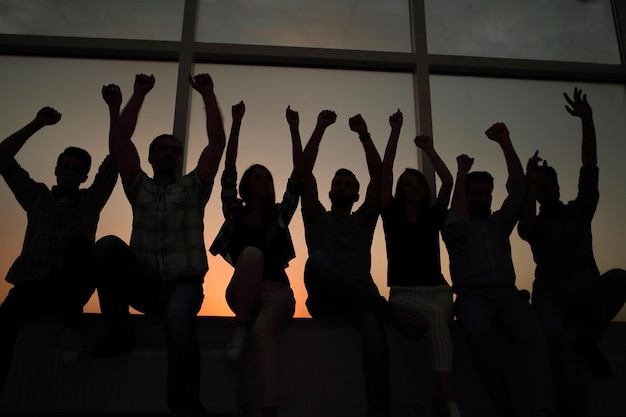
x=53 y=271
x=163 y=269
x=255 y=239
x=484 y=279
x=337 y=273
x=568 y=291
x=412 y=220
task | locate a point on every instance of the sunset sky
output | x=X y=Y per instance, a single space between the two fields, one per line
x=462 y=107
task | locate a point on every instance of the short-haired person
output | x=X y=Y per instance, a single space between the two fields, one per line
x=53 y=271
x=337 y=273
x=569 y=292
x=162 y=271
x=483 y=278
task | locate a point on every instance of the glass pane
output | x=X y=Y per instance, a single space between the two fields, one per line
x=556 y=30
x=73 y=87
x=112 y=19
x=362 y=24
x=265 y=139
x=464 y=107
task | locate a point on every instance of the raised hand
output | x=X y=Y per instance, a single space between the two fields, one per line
x=498 y=132
x=143 y=84
x=358 y=125
x=326 y=118
x=424 y=142
x=396 y=119
x=47 y=116
x=464 y=163
x=202 y=83
x=112 y=95
x=292 y=116
x=578 y=107
x=238 y=110
x=534 y=171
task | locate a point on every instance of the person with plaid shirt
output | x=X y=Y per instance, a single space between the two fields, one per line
x=162 y=271
x=53 y=271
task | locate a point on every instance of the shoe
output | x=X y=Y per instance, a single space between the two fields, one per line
x=587 y=348
x=235 y=346
x=410 y=326
x=114 y=344
x=72 y=346
x=451 y=410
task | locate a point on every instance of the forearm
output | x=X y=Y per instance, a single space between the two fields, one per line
x=589 y=146
x=114 y=115
x=372 y=157
x=127 y=121
x=296 y=152
x=513 y=163
x=309 y=155
x=232 y=147
x=11 y=145
x=214 y=123
x=441 y=169
x=386 y=176
x=459 y=199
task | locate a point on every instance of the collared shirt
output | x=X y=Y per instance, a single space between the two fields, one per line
x=348 y=240
x=562 y=241
x=479 y=248
x=168 y=224
x=232 y=207
x=53 y=218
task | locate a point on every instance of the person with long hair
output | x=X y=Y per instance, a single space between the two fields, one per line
x=412 y=220
x=255 y=240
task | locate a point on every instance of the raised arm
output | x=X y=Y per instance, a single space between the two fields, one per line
x=10 y=146
x=112 y=96
x=293 y=120
x=309 y=155
x=579 y=107
x=459 y=199
x=238 y=110
x=425 y=143
x=374 y=163
x=528 y=215
x=211 y=155
x=386 y=176
x=122 y=148
x=499 y=133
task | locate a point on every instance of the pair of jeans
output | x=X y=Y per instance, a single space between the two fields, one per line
x=483 y=310
x=334 y=293
x=123 y=280
x=588 y=312
x=65 y=291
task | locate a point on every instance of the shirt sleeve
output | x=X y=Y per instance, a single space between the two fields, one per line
x=588 y=193
x=103 y=183
x=510 y=210
x=229 y=193
x=25 y=189
x=289 y=204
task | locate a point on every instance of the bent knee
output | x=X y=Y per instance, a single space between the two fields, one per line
x=108 y=243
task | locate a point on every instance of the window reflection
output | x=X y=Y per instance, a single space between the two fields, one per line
x=363 y=24
x=112 y=19
x=555 y=30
